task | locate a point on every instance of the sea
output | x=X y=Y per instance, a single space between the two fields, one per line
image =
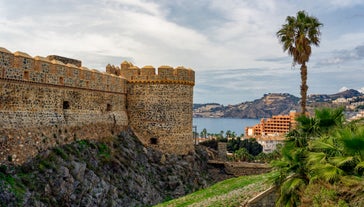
x=216 y=125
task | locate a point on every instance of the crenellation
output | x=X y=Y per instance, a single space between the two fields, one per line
x=165 y=71
x=166 y=74
x=60 y=68
x=23 y=60
x=42 y=64
x=57 y=100
x=6 y=60
x=21 y=66
x=147 y=71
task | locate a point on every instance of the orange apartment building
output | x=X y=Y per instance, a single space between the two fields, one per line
x=275 y=126
x=271 y=131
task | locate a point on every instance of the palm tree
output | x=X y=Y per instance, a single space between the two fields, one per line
x=297 y=36
x=301 y=161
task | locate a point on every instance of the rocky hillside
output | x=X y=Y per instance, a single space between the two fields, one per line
x=330 y=97
x=271 y=104
x=116 y=172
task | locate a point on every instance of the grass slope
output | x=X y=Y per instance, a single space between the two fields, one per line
x=231 y=192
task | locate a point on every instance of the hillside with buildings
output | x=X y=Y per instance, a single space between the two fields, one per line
x=281 y=103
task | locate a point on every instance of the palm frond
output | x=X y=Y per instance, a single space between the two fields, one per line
x=319 y=145
x=316 y=157
x=340 y=161
x=359 y=168
x=295 y=184
x=353 y=141
x=279 y=163
x=328 y=172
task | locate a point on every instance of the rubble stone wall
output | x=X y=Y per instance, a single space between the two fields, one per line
x=47 y=101
x=44 y=103
x=161 y=115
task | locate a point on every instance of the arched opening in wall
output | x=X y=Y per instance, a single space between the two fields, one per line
x=61 y=80
x=66 y=104
x=87 y=84
x=26 y=75
x=153 y=140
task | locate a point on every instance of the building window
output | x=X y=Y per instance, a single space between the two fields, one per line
x=153 y=140
x=26 y=75
x=66 y=105
x=108 y=107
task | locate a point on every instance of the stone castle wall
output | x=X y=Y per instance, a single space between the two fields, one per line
x=48 y=101
x=44 y=103
x=160 y=105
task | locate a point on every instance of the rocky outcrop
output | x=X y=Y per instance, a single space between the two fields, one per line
x=270 y=104
x=119 y=171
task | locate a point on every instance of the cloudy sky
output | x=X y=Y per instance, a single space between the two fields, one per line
x=231 y=44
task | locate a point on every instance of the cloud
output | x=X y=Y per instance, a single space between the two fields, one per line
x=212 y=37
x=345 y=3
x=239 y=85
x=342 y=56
x=361 y=90
x=285 y=59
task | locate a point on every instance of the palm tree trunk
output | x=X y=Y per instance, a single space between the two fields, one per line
x=304 y=88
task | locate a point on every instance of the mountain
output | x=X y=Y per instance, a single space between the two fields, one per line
x=272 y=104
x=350 y=93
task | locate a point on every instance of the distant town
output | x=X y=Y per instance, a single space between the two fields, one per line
x=282 y=103
x=280 y=111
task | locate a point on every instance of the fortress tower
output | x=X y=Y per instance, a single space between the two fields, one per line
x=159 y=105
x=53 y=100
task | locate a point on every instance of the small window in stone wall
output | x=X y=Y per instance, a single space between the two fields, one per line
x=153 y=140
x=26 y=75
x=61 y=80
x=108 y=107
x=66 y=105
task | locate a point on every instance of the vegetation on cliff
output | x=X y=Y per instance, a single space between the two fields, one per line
x=118 y=171
x=230 y=192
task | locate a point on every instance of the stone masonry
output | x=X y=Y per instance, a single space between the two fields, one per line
x=160 y=106
x=45 y=102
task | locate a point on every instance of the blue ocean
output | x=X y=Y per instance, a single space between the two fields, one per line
x=216 y=125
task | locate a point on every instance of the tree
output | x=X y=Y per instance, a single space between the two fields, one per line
x=228 y=134
x=251 y=145
x=203 y=133
x=297 y=36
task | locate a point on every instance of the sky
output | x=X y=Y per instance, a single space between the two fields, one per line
x=231 y=44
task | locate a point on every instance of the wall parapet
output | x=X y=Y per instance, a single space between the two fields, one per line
x=148 y=74
x=50 y=70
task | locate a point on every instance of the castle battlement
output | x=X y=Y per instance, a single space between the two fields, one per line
x=149 y=74
x=54 y=100
x=52 y=70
